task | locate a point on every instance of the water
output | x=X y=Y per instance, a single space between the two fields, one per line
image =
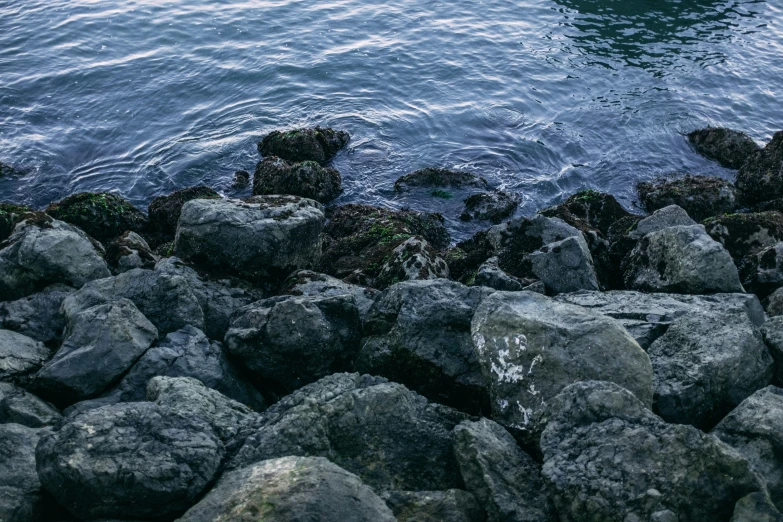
x=542 y=97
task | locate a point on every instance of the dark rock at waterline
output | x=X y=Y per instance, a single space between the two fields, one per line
x=21 y=498
x=756 y=507
x=10 y=215
x=746 y=234
x=701 y=197
x=20 y=357
x=103 y=216
x=318 y=144
x=761 y=176
x=489 y=206
x=728 y=147
x=241 y=179
x=129 y=251
x=18 y=406
x=8 y=170
x=164 y=211
x=38 y=315
x=588 y=209
x=307 y=179
x=440 y=178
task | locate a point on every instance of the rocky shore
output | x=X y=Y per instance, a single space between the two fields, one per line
x=278 y=358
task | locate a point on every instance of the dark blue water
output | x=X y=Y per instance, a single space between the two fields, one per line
x=543 y=97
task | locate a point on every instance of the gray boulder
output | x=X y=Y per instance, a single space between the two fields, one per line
x=505 y=479
x=531 y=347
x=453 y=505
x=21 y=498
x=607 y=457
x=20 y=407
x=565 y=266
x=490 y=275
x=309 y=283
x=433 y=177
x=102 y=462
x=756 y=507
x=670 y=216
x=772 y=331
x=20 y=356
x=290 y=489
x=37 y=316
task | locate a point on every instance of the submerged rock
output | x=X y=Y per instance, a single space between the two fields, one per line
x=319 y=144
x=307 y=179
x=164 y=211
x=439 y=178
x=490 y=206
x=453 y=505
x=761 y=176
x=728 y=147
x=20 y=357
x=702 y=197
x=102 y=215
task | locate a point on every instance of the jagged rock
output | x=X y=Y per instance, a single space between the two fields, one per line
x=130 y=251
x=37 y=316
x=20 y=407
x=309 y=283
x=772 y=332
x=761 y=176
x=565 y=266
x=308 y=179
x=10 y=215
x=670 y=216
x=588 y=209
x=390 y=437
x=728 y=147
x=746 y=234
x=164 y=211
x=100 y=463
x=706 y=365
x=505 y=479
x=257 y=237
x=20 y=356
x=44 y=251
x=290 y=341
x=102 y=215
x=607 y=457
x=490 y=206
x=291 y=489
x=319 y=144
x=489 y=274
x=756 y=507
x=412 y=260
x=680 y=259
x=774 y=303
x=439 y=178
x=531 y=347
x=701 y=197
x=418 y=334
x=453 y=505
x=21 y=499
x=101 y=343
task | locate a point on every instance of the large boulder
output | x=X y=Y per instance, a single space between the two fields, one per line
x=701 y=196
x=531 y=347
x=38 y=315
x=453 y=505
x=164 y=211
x=565 y=266
x=290 y=489
x=746 y=234
x=21 y=407
x=44 y=251
x=669 y=216
x=433 y=177
x=289 y=341
x=318 y=144
x=20 y=356
x=390 y=437
x=607 y=457
x=307 y=179
x=761 y=176
x=134 y=460
x=490 y=206
x=102 y=215
x=255 y=238
x=418 y=334
x=490 y=274
x=309 y=283
x=21 y=498
x=728 y=147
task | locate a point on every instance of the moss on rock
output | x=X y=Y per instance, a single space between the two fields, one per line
x=102 y=215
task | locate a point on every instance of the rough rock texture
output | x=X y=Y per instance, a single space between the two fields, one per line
x=453 y=505
x=772 y=331
x=669 y=216
x=746 y=234
x=774 y=303
x=505 y=479
x=164 y=211
x=418 y=334
x=588 y=209
x=490 y=206
x=37 y=316
x=565 y=266
x=290 y=341
x=412 y=260
x=608 y=458
x=706 y=365
x=21 y=499
x=20 y=407
x=681 y=259
x=44 y=251
x=254 y=238
x=756 y=507
x=761 y=176
x=702 y=197
x=101 y=215
x=20 y=356
x=309 y=283
x=307 y=179
x=390 y=437
x=440 y=178
x=762 y=273
x=318 y=144
x=290 y=489
x=130 y=251
x=101 y=343
x=489 y=274
x=102 y=462
x=10 y=215
x=728 y=147
x=531 y=347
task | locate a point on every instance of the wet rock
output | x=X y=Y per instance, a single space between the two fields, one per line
x=142 y=451
x=241 y=179
x=130 y=251
x=37 y=316
x=390 y=437
x=490 y=206
x=44 y=251
x=291 y=489
x=680 y=259
x=761 y=176
x=439 y=178
x=588 y=209
x=772 y=332
x=164 y=211
x=728 y=147
x=20 y=356
x=531 y=347
x=21 y=499
x=288 y=341
x=706 y=365
x=671 y=216
x=255 y=238
x=307 y=179
x=453 y=505
x=505 y=479
x=309 y=283
x=319 y=144
x=418 y=334
x=20 y=407
x=607 y=457
x=10 y=215
x=756 y=507
x=565 y=266
x=101 y=343
x=746 y=234
x=702 y=197
x=102 y=215
x=412 y=260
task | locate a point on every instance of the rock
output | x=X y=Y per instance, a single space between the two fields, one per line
x=37 y=316
x=439 y=178
x=531 y=347
x=288 y=341
x=418 y=334
x=565 y=266
x=761 y=176
x=390 y=437
x=756 y=507
x=706 y=365
x=505 y=479
x=20 y=356
x=188 y=353
x=130 y=251
x=291 y=489
x=588 y=209
x=489 y=274
x=412 y=260
x=319 y=144
x=490 y=206
x=258 y=237
x=241 y=179
x=307 y=179
x=671 y=216
x=772 y=332
x=762 y=273
x=607 y=457
x=453 y=505
x=10 y=215
x=101 y=343
x=102 y=215
x=309 y=283
x=746 y=234
x=20 y=407
x=21 y=499
x=45 y=251
x=100 y=463
x=728 y=147
x=164 y=211
x=701 y=197
x=681 y=259
x=774 y=303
